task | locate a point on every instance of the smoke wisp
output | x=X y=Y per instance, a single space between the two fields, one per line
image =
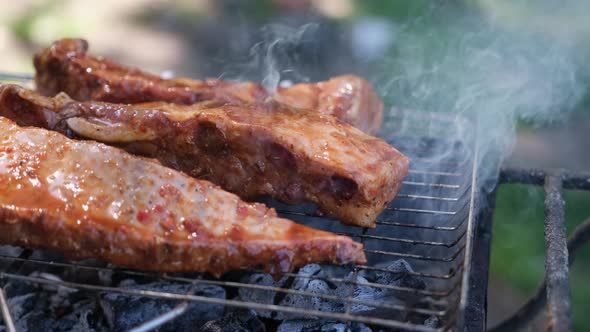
x=465 y=66
x=459 y=61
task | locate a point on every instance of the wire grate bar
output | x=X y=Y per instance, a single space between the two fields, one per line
x=405 y=240
x=408 y=225
x=420 y=257
x=438 y=162
x=23 y=77
x=436 y=198
x=427 y=184
x=277 y=289
x=451 y=274
x=537 y=177
x=448 y=213
x=211 y=300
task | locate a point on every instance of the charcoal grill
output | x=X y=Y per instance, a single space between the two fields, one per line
x=440 y=223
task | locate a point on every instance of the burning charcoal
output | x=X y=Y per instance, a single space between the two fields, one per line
x=47 y=255
x=28 y=310
x=101 y=275
x=22 y=304
x=235 y=321
x=78 y=319
x=105 y=277
x=310 y=269
x=10 y=250
x=15 y=288
x=432 y=322
x=396 y=270
x=309 y=325
x=370 y=294
x=399 y=274
x=310 y=285
x=35 y=321
x=124 y=312
x=361 y=292
x=262 y=296
x=322 y=288
x=32 y=312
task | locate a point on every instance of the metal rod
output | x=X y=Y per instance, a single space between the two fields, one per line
x=399 y=209
x=15 y=76
x=435 y=228
x=526 y=313
x=161 y=319
x=556 y=260
x=410 y=241
x=419 y=257
x=426 y=184
x=471 y=224
x=475 y=315
x=453 y=271
x=8 y=322
x=537 y=177
x=434 y=198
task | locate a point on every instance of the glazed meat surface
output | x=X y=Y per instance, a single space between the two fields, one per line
x=67 y=67
x=87 y=199
x=292 y=155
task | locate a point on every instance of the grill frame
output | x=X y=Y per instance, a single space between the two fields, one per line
x=554 y=294
x=465 y=242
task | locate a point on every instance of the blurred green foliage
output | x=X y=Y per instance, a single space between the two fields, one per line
x=22 y=26
x=518 y=243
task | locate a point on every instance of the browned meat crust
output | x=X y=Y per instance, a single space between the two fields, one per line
x=66 y=67
x=292 y=155
x=87 y=199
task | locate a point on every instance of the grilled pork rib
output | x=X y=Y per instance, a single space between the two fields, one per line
x=87 y=199
x=66 y=67
x=292 y=155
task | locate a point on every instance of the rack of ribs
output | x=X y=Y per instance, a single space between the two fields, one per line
x=66 y=67
x=267 y=149
x=90 y=200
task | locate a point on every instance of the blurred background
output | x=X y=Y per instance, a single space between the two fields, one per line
x=524 y=63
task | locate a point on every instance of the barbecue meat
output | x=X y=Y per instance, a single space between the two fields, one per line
x=292 y=155
x=87 y=199
x=66 y=67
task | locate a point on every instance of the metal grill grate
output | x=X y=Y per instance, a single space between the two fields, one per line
x=430 y=225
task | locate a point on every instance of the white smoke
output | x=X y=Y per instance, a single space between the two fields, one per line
x=465 y=62
x=466 y=65
x=275 y=53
